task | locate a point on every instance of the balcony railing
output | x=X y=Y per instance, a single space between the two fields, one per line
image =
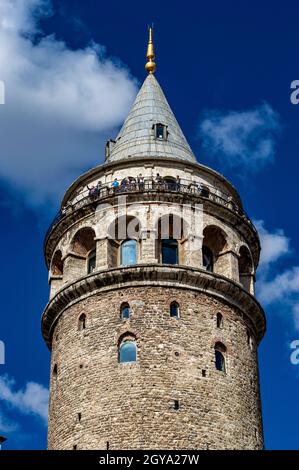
x=96 y=194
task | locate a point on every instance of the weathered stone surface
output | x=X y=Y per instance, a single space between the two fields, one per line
x=96 y=402
x=131 y=405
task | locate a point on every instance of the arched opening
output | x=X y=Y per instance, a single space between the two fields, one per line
x=125 y=311
x=123 y=236
x=246 y=268
x=127 y=349
x=214 y=246
x=174 y=310
x=84 y=246
x=57 y=264
x=55 y=371
x=82 y=322
x=220 y=351
x=219 y=320
x=83 y=241
x=172 y=231
x=128 y=252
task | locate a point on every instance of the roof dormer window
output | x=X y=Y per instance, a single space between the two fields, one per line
x=108 y=148
x=160 y=131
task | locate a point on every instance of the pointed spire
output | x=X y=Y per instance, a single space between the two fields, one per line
x=150 y=66
x=137 y=136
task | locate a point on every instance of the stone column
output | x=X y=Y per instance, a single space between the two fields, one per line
x=102 y=253
x=148 y=250
x=75 y=266
x=226 y=264
x=191 y=251
x=56 y=283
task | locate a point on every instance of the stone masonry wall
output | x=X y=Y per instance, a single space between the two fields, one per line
x=131 y=406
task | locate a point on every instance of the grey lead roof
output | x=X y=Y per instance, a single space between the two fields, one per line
x=136 y=137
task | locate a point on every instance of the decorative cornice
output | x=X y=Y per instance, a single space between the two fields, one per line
x=239 y=221
x=182 y=277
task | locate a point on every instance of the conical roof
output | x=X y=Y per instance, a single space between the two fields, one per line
x=137 y=137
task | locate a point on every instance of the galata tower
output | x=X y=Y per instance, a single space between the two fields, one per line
x=152 y=322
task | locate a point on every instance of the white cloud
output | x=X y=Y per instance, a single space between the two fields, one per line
x=244 y=139
x=277 y=287
x=33 y=399
x=6 y=426
x=280 y=288
x=274 y=244
x=61 y=104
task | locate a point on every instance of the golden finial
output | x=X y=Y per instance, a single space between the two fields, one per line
x=150 y=66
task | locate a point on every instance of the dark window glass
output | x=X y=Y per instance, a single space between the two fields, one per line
x=169 y=252
x=160 y=131
x=174 y=310
x=125 y=312
x=128 y=352
x=219 y=361
x=82 y=322
x=91 y=262
x=129 y=252
x=207 y=259
x=219 y=320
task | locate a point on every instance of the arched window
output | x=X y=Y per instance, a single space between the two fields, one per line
x=174 y=310
x=91 y=261
x=219 y=320
x=172 y=230
x=125 y=311
x=207 y=259
x=169 y=251
x=82 y=322
x=55 y=371
x=84 y=245
x=127 y=351
x=214 y=246
x=128 y=253
x=220 y=350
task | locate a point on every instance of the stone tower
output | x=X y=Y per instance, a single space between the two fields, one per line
x=152 y=322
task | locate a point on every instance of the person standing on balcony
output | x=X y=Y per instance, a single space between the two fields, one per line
x=92 y=192
x=99 y=187
x=158 y=181
x=115 y=184
x=140 y=181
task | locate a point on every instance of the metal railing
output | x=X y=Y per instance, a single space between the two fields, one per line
x=95 y=194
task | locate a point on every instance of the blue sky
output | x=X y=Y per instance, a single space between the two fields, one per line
x=71 y=70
